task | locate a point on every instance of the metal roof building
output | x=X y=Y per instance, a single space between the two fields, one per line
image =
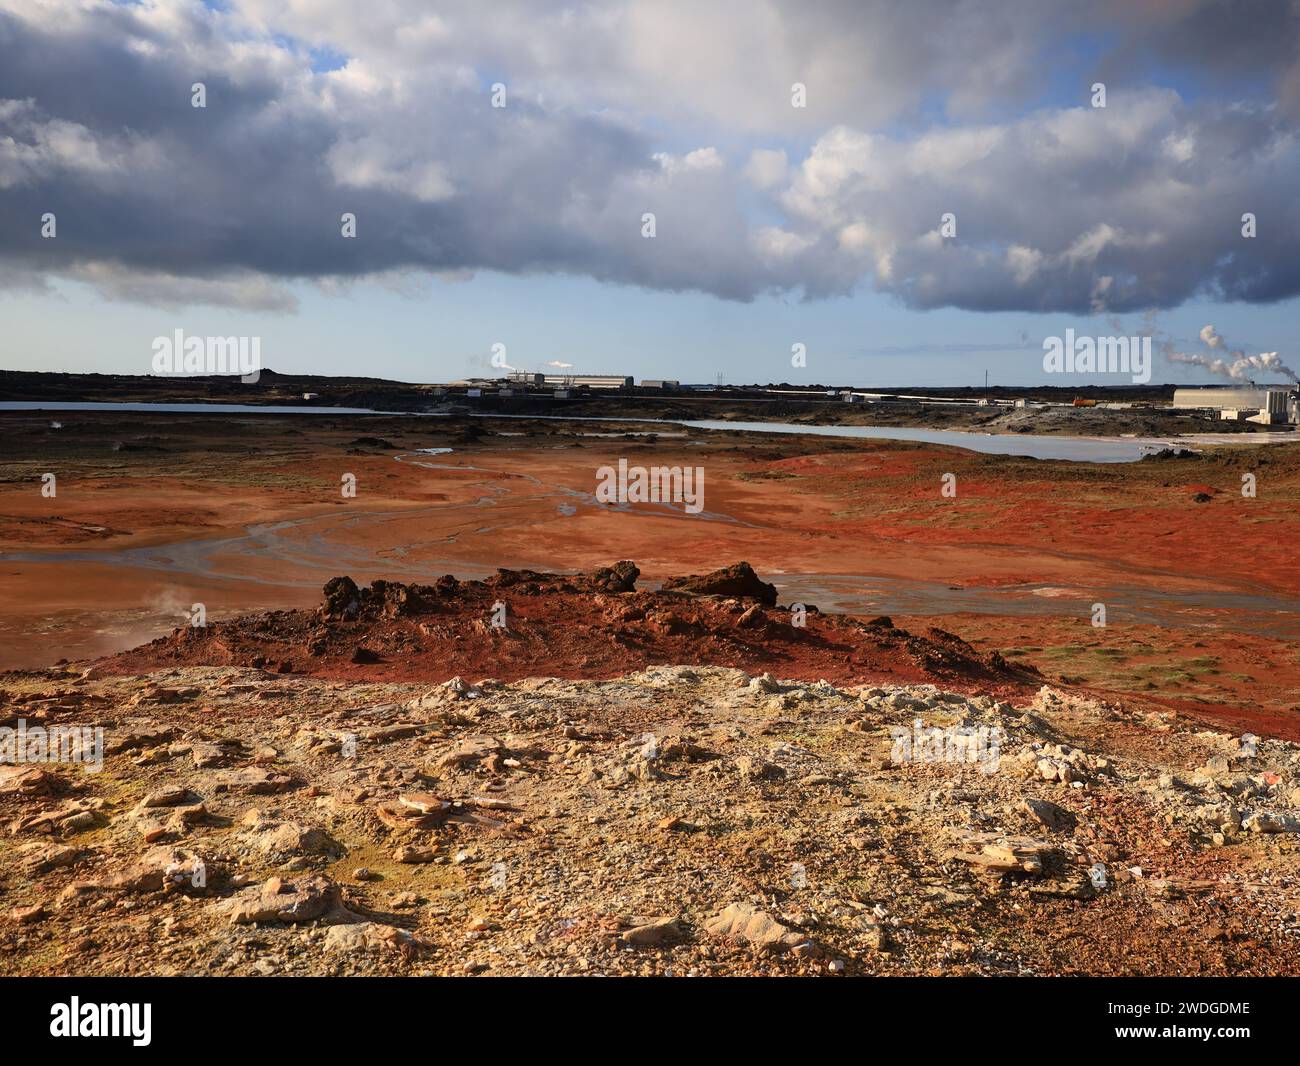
x=571 y=381
x=1241 y=397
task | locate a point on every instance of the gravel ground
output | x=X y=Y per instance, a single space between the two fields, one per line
x=681 y=820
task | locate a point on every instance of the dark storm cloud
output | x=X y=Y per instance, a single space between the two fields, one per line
x=1224 y=42
x=1138 y=205
x=99 y=129
x=135 y=175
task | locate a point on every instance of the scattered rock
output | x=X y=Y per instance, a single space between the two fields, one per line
x=1049 y=815
x=166 y=797
x=645 y=932
x=255 y=780
x=1265 y=822
x=374 y=938
x=277 y=900
x=28 y=781
x=747 y=925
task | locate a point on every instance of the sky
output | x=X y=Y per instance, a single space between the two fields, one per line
x=775 y=225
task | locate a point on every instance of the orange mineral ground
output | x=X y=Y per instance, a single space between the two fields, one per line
x=157 y=513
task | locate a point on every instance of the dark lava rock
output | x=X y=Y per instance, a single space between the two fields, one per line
x=738 y=579
x=621 y=577
x=342 y=598
x=391 y=599
x=395 y=600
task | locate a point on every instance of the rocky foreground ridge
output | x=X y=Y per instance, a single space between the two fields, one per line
x=677 y=820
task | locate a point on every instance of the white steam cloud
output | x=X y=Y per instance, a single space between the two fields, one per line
x=1237 y=366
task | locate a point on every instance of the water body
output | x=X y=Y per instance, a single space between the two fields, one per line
x=1027 y=445
x=1070 y=449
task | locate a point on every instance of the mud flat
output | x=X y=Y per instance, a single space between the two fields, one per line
x=158 y=512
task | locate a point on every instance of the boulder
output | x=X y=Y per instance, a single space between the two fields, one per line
x=42 y=858
x=738 y=579
x=29 y=915
x=621 y=577
x=342 y=598
x=279 y=840
x=159 y=869
x=413 y=856
x=165 y=797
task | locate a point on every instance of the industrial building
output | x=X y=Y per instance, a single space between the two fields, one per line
x=1269 y=405
x=570 y=381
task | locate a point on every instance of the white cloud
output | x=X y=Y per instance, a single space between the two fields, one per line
x=620 y=108
x=767 y=168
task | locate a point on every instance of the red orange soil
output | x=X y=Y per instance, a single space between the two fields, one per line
x=247 y=515
x=1238 y=681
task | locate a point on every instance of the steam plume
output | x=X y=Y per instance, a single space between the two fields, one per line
x=1238 y=366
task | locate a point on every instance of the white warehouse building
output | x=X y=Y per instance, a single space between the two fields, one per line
x=1259 y=403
